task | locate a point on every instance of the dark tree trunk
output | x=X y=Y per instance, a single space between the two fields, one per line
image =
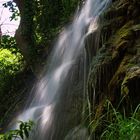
x=25 y=35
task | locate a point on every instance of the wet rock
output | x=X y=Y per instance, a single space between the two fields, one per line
x=115 y=69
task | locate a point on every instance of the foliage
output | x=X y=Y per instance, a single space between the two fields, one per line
x=11 y=63
x=10 y=58
x=49 y=17
x=114 y=125
x=122 y=127
x=12 y=8
x=8 y=42
x=20 y=134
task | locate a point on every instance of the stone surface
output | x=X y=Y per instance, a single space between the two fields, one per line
x=115 y=69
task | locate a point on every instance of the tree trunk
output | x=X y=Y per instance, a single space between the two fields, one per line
x=25 y=34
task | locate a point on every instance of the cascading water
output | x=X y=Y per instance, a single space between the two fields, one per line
x=57 y=104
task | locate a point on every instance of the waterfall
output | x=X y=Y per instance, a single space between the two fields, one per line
x=56 y=107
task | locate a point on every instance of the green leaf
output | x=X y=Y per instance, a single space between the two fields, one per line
x=26 y=132
x=21 y=134
x=21 y=125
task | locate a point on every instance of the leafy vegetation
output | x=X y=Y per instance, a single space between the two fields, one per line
x=11 y=64
x=20 y=134
x=11 y=60
x=13 y=9
x=122 y=127
x=114 y=125
x=8 y=42
x=50 y=16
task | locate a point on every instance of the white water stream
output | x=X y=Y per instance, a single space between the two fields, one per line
x=44 y=108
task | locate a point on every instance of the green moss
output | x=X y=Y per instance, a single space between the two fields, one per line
x=130 y=75
x=122 y=34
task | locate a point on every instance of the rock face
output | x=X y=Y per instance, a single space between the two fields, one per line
x=115 y=69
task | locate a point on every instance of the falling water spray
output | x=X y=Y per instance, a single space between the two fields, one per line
x=56 y=107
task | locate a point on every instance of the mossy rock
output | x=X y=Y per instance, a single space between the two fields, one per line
x=118 y=8
x=132 y=75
